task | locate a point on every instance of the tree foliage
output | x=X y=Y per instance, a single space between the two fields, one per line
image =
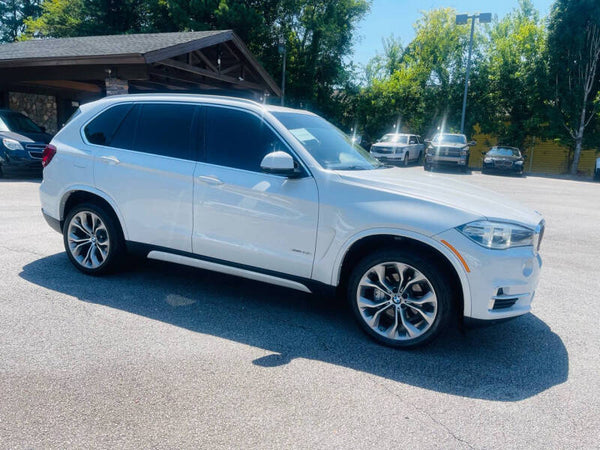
x=513 y=77
x=574 y=59
x=13 y=14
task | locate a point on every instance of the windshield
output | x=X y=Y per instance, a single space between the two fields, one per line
x=449 y=139
x=19 y=123
x=395 y=138
x=328 y=145
x=503 y=151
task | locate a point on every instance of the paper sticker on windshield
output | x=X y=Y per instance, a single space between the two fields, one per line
x=303 y=135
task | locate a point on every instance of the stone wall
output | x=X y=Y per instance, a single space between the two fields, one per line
x=39 y=108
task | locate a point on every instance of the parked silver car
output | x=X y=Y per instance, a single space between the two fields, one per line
x=399 y=148
x=447 y=149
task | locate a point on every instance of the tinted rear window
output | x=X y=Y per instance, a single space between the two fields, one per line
x=101 y=130
x=158 y=128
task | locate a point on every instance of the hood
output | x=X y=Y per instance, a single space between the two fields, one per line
x=449 y=145
x=27 y=138
x=446 y=191
x=504 y=158
x=389 y=144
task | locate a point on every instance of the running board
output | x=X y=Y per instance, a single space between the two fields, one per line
x=215 y=267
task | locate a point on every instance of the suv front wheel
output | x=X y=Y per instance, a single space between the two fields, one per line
x=399 y=299
x=92 y=239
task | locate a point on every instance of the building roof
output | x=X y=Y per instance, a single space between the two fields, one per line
x=183 y=61
x=112 y=45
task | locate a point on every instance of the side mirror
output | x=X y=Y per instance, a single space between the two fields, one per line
x=483 y=153
x=280 y=163
x=472 y=143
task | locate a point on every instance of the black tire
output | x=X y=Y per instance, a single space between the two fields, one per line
x=420 y=158
x=435 y=281
x=483 y=171
x=110 y=232
x=405 y=161
x=1 y=172
x=427 y=166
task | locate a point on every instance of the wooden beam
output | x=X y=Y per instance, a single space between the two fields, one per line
x=208 y=74
x=231 y=69
x=226 y=45
x=255 y=65
x=67 y=84
x=206 y=61
x=73 y=61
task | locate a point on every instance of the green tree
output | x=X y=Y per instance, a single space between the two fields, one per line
x=513 y=77
x=574 y=56
x=13 y=14
x=382 y=66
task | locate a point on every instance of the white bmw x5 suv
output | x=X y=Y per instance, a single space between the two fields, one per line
x=282 y=196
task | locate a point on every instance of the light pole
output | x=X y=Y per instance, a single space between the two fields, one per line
x=463 y=19
x=282 y=51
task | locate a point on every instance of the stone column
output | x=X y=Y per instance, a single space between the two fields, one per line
x=115 y=86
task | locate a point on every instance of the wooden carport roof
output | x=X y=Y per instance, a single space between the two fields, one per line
x=78 y=68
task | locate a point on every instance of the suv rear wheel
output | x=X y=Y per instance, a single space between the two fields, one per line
x=400 y=299
x=92 y=239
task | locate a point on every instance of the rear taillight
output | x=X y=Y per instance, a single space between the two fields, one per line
x=48 y=154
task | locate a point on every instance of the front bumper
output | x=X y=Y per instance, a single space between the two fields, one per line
x=389 y=157
x=513 y=168
x=446 y=160
x=502 y=282
x=19 y=160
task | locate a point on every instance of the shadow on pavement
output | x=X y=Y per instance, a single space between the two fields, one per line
x=506 y=362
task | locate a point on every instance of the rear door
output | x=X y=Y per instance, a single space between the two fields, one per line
x=243 y=215
x=146 y=166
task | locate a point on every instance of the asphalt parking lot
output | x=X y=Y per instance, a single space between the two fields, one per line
x=165 y=356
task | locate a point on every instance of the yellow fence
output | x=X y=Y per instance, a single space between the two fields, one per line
x=542 y=156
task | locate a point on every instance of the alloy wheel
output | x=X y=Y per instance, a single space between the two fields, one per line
x=88 y=239
x=396 y=301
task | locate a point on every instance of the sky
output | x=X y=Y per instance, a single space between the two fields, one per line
x=398 y=16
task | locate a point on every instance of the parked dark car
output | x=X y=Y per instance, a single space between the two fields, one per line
x=21 y=142
x=503 y=159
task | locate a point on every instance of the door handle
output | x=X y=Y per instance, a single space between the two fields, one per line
x=112 y=160
x=214 y=181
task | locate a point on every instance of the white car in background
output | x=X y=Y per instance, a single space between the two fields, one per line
x=398 y=148
x=283 y=197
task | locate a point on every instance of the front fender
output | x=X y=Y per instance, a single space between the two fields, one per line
x=433 y=243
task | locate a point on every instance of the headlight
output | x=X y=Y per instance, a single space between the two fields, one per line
x=464 y=151
x=11 y=144
x=497 y=235
x=487 y=160
x=518 y=163
x=399 y=150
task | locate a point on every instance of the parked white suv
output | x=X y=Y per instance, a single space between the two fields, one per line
x=281 y=196
x=398 y=148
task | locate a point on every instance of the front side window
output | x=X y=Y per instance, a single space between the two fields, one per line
x=328 y=145
x=413 y=140
x=238 y=139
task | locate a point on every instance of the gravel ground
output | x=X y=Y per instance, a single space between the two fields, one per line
x=165 y=356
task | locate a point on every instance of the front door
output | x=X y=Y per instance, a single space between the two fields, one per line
x=242 y=215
